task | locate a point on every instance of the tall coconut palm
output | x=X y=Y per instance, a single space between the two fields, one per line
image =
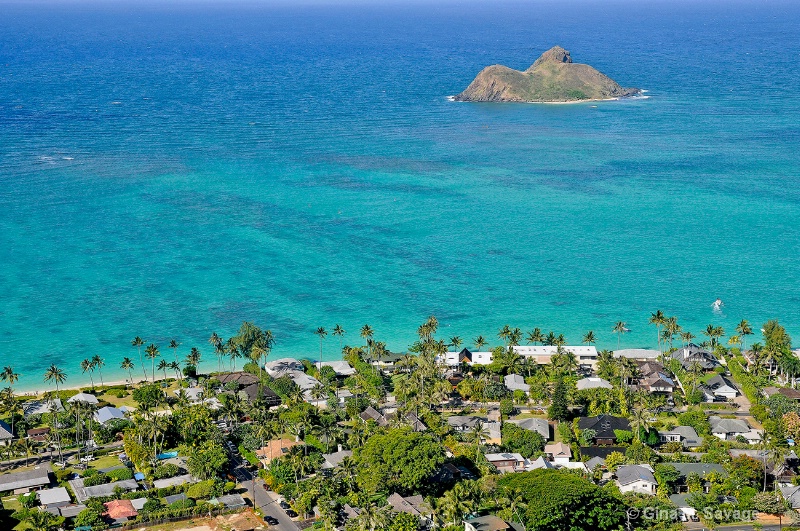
x=218 y=345
x=590 y=338
x=744 y=329
x=163 y=365
x=619 y=329
x=98 y=364
x=456 y=342
x=639 y=421
x=193 y=357
x=479 y=342
x=41 y=521
x=686 y=338
x=87 y=366
x=339 y=332
x=504 y=334
x=127 y=365
x=232 y=348
x=514 y=337
x=173 y=344
x=176 y=366
x=9 y=376
x=658 y=319
x=152 y=353
x=138 y=342
x=321 y=332
x=535 y=336
x=366 y=333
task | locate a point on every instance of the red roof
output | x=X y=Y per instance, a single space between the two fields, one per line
x=120 y=509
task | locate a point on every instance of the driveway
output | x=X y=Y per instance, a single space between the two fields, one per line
x=266 y=501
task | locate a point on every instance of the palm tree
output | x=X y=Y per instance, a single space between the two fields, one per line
x=8 y=375
x=620 y=329
x=174 y=346
x=372 y=518
x=152 y=353
x=456 y=342
x=639 y=421
x=99 y=363
x=744 y=330
x=479 y=342
x=713 y=333
x=233 y=352
x=176 y=366
x=321 y=332
x=339 y=332
x=686 y=337
x=504 y=334
x=590 y=338
x=193 y=358
x=86 y=365
x=127 y=365
x=163 y=365
x=658 y=319
x=138 y=342
x=41 y=521
x=366 y=334
x=216 y=342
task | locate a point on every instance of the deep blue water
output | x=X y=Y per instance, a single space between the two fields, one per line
x=172 y=171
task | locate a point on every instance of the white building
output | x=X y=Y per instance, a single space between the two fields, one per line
x=542 y=354
x=636 y=478
x=559 y=453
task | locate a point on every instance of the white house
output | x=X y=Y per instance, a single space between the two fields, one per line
x=279 y=367
x=542 y=354
x=636 y=478
x=107 y=414
x=730 y=429
x=559 y=453
x=686 y=435
x=637 y=354
x=592 y=383
x=515 y=382
x=85 y=398
x=541 y=426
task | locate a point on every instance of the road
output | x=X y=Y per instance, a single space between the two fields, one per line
x=266 y=501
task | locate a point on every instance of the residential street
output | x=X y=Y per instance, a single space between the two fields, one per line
x=266 y=501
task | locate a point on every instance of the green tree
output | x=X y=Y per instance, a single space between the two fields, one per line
x=558 y=409
x=207 y=461
x=527 y=443
x=98 y=363
x=152 y=353
x=127 y=365
x=619 y=329
x=86 y=366
x=321 y=332
x=138 y=342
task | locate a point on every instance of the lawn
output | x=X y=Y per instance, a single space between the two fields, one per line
x=10 y=505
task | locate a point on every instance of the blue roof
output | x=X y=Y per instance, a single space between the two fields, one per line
x=138 y=476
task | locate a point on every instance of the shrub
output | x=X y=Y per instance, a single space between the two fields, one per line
x=97 y=479
x=182 y=504
x=166 y=470
x=201 y=490
x=120 y=474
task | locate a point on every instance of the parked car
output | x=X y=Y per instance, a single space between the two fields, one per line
x=284 y=505
x=290 y=513
x=271 y=520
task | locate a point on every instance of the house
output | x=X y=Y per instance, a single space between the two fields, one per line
x=38 y=434
x=5 y=434
x=304 y=381
x=24 y=482
x=604 y=426
x=83 y=398
x=539 y=462
x=790 y=493
x=373 y=414
x=586 y=356
x=341 y=368
x=100 y=491
x=274 y=449
x=540 y=426
x=636 y=478
x=254 y=392
x=784 y=471
x=730 y=429
x=494 y=433
x=490 y=523
x=138 y=503
x=331 y=461
x=230 y=501
x=592 y=383
x=792 y=394
x=721 y=387
x=193 y=394
x=71 y=511
x=559 y=453
x=453 y=359
x=685 y=435
x=40 y=407
x=691 y=354
x=416 y=424
x=637 y=354
x=595 y=462
x=120 y=511
x=507 y=462
x=386 y=361
x=413 y=505
x=465 y=423
x=658 y=382
x=681 y=501
x=241 y=378
x=54 y=498
x=701 y=469
x=515 y=382
x=174 y=481
x=282 y=366
x=169 y=500
x=107 y=414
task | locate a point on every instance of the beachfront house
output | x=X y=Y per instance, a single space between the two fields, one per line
x=107 y=414
x=279 y=367
x=41 y=407
x=636 y=478
x=83 y=398
x=341 y=368
x=543 y=354
x=638 y=354
x=691 y=354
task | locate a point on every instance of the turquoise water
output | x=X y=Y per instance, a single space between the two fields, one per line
x=169 y=172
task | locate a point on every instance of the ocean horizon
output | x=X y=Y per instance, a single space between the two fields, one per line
x=169 y=171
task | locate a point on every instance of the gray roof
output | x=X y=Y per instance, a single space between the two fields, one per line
x=637 y=354
x=700 y=469
x=681 y=500
x=515 y=382
x=720 y=425
x=107 y=414
x=791 y=493
x=592 y=383
x=86 y=398
x=71 y=511
x=25 y=480
x=414 y=505
x=231 y=500
x=492 y=523
x=720 y=383
x=594 y=462
x=138 y=503
x=464 y=422
x=174 y=498
x=170 y=482
x=335 y=459
x=688 y=435
x=84 y=493
x=633 y=473
x=341 y=368
x=54 y=496
x=540 y=426
x=5 y=431
x=39 y=407
x=688 y=355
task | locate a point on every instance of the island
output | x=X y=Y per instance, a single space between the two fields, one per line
x=553 y=78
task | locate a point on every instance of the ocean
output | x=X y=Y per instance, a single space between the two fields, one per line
x=171 y=170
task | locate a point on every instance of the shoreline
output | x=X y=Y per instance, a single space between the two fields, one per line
x=641 y=96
